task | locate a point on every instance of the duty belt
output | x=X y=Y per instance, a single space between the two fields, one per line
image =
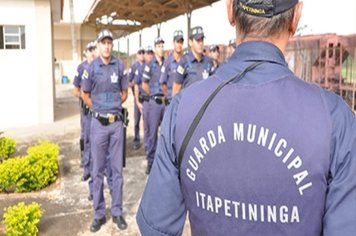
x=105 y=119
x=159 y=99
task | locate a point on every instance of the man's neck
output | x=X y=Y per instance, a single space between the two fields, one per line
x=198 y=56
x=280 y=41
x=159 y=59
x=106 y=61
x=177 y=56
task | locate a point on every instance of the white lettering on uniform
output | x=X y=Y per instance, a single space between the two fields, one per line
x=261 y=136
x=251 y=132
x=277 y=151
x=244 y=211
x=238 y=132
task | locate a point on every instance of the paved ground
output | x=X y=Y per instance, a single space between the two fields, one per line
x=67 y=210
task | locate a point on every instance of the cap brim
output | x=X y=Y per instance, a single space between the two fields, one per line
x=159 y=42
x=198 y=36
x=102 y=38
x=177 y=38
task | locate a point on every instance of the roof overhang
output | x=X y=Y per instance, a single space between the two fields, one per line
x=128 y=16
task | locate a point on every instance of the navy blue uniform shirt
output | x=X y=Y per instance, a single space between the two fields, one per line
x=169 y=69
x=151 y=75
x=273 y=155
x=77 y=82
x=190 y=70
x=138 y=77
x=105 y=84
x=132 y=70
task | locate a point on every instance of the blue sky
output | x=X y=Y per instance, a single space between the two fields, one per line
x=319 y=16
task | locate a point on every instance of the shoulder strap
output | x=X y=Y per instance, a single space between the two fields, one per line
x=202 y=110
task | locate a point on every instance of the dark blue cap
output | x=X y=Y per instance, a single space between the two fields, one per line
x=158 y=40
x=265 y=8
x=148 y=49
x=91 y=45
x=141 y=50
x=197 y=33
x=178 y=35
x=104 y=34
x=214 y=48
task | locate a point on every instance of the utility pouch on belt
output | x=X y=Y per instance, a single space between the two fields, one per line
x=107 y=119
x=143 y=98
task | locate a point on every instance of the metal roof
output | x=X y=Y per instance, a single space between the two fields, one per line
x=127 y=16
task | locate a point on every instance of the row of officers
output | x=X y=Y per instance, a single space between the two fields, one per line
x=102 y=84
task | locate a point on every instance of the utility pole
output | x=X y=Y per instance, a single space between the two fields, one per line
x=73 y=33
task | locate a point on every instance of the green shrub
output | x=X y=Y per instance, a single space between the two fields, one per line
x=7 y=147
x=32 y=172
x=22 y=220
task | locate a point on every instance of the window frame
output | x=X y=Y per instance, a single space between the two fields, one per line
x=19 y=41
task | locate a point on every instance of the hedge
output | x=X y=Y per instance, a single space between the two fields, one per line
x=32 y=172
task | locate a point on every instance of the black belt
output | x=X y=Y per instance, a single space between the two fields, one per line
x=105 y=119
x=159 y=99
x=143 y=98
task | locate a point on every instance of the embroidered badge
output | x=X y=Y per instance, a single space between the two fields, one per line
x=85 y=74
x=114 y=78
x=205 y=74
x=180 y=70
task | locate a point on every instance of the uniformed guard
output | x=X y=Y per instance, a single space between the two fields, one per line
x=214 y=51
x=105 y=89
x=137 y=114
x=258 y=151
x=141 y=97
x=194 y=65
x=77 y=82
x=170 y=65
x=155 y=105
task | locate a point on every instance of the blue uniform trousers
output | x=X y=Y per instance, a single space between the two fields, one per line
x=154 y=115
x=87 y=154
x=107 y=141
x=137 y=118
x=145 y=125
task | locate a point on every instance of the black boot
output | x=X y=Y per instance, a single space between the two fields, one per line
x=97 y=223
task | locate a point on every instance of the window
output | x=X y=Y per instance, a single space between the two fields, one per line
x=12 y=37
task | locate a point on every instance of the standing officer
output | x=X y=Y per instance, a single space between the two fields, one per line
x=194 y=65
x=259 y=151
x=140 y=95
x=77 y=82
x=137 y=114
x=155 y=106
x=215 y=56
x=104 y=91
x=170 y=65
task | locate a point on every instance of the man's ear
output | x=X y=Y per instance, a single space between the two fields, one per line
x=296 y=17
x=190 y=42
x=230 y=12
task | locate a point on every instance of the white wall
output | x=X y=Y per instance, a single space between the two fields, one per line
x=26 y=81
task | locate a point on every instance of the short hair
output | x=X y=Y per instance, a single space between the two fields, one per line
x=261 y=27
